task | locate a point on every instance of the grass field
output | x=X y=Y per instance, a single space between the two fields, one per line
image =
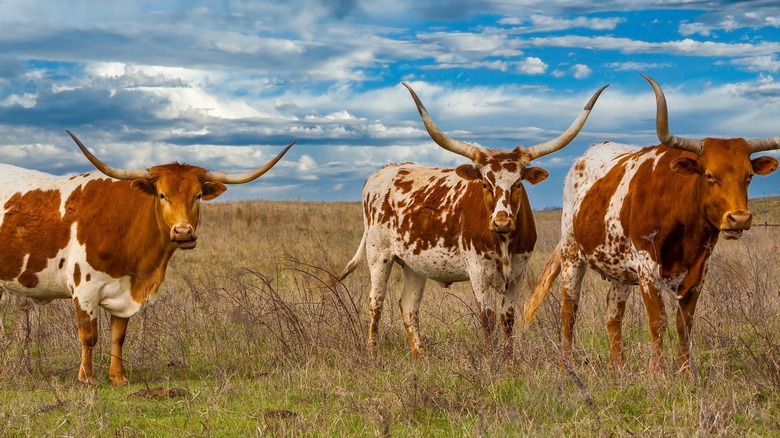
x=244 y=340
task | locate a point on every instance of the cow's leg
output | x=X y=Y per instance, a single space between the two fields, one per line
x=572 y=272
x=487 y=311
x=88 y=335
x=656 y=317
x=506 y=317
x=380 y=267
x=28 y=325
x=117 y=370
x=685 y=310
x=414 y=285
x=616 y=307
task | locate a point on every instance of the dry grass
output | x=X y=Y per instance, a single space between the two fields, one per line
x=246 y=340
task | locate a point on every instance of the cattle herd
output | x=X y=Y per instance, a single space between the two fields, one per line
x=648 y=217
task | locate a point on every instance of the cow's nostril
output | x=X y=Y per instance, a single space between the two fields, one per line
x=741 y=219
x=182 y=230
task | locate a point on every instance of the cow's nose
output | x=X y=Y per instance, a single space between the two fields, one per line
x=503 y=225
x=740 y=219
x=182 y=232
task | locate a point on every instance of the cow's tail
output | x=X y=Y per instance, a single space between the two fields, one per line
x=353 y=264
x=551 y=270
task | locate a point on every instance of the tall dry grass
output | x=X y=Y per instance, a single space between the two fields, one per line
x=247 y=325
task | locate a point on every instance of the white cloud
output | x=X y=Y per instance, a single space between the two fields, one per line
x=26 y=100
x=687 y=47
x=307 y=168
x=636 y=66
x=759 y=63
x=531 y=66
x=686 y=29
x=547 y=23
x=581 y=71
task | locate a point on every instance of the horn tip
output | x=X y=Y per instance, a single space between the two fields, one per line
x=592 y=101
x=648 y=79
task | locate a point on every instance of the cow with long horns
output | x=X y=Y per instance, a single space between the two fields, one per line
x=469 y=223
x=650 y=217
x=102 y=239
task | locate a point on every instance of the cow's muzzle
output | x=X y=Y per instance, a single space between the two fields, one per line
x=735 y=223
x=502 y=224
x=183 y=236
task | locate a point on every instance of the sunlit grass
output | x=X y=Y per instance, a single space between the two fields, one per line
x=256 y=344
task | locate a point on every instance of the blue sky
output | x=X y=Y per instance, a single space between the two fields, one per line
x=226 y=85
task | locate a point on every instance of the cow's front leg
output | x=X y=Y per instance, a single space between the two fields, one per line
x=506 y=317
x=117 y=370
x=685 y=310
x=656 y=317
x=88 y=335
x=487 y=313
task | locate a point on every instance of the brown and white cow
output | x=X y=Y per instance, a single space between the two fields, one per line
x=650 y=217
x=101 y=241
x=469 y=223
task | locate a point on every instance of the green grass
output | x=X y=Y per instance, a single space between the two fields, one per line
x=258 y=347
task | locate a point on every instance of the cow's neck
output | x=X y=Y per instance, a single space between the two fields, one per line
x=683 y=230
x=119 y=230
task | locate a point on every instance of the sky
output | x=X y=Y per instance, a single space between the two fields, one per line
x=227 y=84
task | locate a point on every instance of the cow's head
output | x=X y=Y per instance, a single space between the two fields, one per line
x=723 y=169
x=178 y=190
x=502 y=171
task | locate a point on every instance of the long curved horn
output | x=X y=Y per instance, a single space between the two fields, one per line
x=105 y=168
x=240 y=178
x=564 y=139
x=459 y=147
x=662 y=124
x=764 y=144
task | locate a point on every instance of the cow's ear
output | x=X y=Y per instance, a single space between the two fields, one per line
x=468 y=172
x=212 y=189
x=535 y=175
x=685 y=166
x=145 y=186
x=764 y=165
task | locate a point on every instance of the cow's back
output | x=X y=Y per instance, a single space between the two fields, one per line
x=596 y=192
x=415 y=213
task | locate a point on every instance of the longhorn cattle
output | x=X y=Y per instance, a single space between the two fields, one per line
x=469 y=223
x=650 y=217
x=102 y=239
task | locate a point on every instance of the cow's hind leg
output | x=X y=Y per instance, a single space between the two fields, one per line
x=88 y=335
x=117 y=370
x=572 y=272
x=414 y=285
x=616 y=307
x=380 y=267
x=28 y=325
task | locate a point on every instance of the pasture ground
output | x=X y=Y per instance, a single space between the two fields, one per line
x=245 y=341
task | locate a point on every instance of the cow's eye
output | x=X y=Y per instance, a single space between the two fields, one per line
x=162 y=196
x=709 y=177
x=199 y=196
x=749 y=178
